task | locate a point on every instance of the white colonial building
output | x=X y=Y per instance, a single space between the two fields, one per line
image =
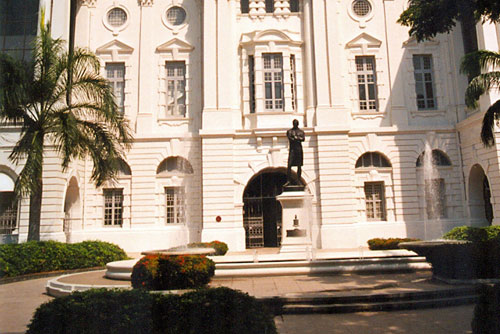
x=210 y=88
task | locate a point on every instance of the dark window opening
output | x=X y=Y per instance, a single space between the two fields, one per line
x=244 y=6
x=269 y=6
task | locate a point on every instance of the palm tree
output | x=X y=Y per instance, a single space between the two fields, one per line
x=481 y=84
x=59 y=99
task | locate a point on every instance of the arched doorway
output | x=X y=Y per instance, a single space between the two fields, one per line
x=261 y=211
x=72 y=207
x=481 y=209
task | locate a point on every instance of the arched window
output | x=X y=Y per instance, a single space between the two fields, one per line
x=374 y=190
x=8 y=205
x=372 y=159
x=435 y=184
x=175 y=164
x=438 y=159
x=175 y=196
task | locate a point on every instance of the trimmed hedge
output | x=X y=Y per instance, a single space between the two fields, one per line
x=43 y=256
x=206 y=311
x=385 y=244
x=168 y=272
x=95 y=311
x=219 y=246
x=485 y=250
x=487 y=311
x=211 y=311
x=474 y=234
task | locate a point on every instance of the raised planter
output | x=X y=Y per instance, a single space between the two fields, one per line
x=456 y=259
x=182 y=251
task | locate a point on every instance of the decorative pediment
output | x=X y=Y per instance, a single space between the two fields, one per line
x=412 y=42
x=115 y=48
x=175 y=44
x=271 y=36
x=364 y=41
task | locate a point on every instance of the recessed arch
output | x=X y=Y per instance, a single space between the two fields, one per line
x=72 y=206
x=8 y=201
x=175 y=164
x=262 y=213
x=123 y=168
x=480 y=206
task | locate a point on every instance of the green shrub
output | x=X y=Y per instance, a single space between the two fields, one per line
x=95 y=312
x=485 y=251
x=205 y=311
x=219 y=246
x=487 y=311
x=43 y=256
x=167 y=272
x=384 y=244
x=211 y=311
x=474 y=234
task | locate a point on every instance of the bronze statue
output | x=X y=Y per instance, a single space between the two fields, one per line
x=295 y=155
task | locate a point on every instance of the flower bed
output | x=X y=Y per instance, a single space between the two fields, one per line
x=168 y=272
x=385 y=244
x=219 y=246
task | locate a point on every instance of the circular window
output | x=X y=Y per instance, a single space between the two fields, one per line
x=117 y=17
x=176 y=16
x=361 y=7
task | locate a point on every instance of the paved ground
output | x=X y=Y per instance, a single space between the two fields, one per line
x=302 y=285
x=451 y=320
x=19 y=300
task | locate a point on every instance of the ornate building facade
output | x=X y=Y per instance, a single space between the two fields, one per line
x=210 y=88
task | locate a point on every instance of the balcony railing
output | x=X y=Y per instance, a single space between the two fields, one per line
x=259 y=8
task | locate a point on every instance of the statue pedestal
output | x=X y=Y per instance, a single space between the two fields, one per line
x=296 y=226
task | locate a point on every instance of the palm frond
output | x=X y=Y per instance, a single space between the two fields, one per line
x=491 y=117
x=480 y=85
x=29 y=149
x=14 y=76
x=481 y=58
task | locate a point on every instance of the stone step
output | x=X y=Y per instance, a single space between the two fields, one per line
x=375 y=307
x=382 y=302
x=386 y=296
x=321 y=266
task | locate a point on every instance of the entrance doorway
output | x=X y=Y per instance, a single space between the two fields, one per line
x=262 y=213
x=480 y=206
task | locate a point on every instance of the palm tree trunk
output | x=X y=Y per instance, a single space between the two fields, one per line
x=35 y=213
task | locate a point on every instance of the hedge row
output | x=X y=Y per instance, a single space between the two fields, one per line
x=43 y=256
x=474 y=234
x=384 y=244
x=484 y=252
x=168 y=272
x=206 y=311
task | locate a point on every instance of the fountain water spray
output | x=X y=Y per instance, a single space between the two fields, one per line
x=431 y=187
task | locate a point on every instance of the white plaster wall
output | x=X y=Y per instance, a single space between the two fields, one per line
x=226 y=147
